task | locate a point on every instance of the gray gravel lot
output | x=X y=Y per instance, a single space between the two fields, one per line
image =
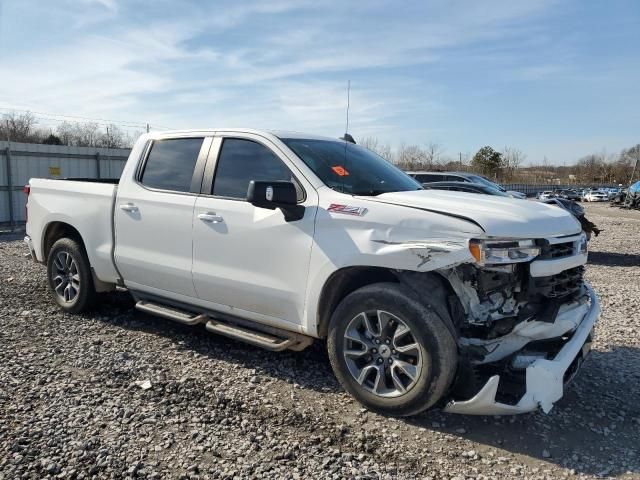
x=70 y=406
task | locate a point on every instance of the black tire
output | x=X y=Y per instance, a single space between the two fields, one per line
x=436 y=343
x=85 y=297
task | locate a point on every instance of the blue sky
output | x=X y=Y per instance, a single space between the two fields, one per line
x=559 y=79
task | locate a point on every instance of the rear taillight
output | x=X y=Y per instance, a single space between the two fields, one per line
x=27 y=190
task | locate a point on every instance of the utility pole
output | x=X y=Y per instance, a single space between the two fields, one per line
x=635 y=167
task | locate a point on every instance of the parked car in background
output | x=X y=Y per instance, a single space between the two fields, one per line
x=596 y=196
x=466 y=187
x=424 y=297
x=568 y=194
x=585 y=192
x=546 y=195
x=581 y=193
x=429 y=177
x=612 y=192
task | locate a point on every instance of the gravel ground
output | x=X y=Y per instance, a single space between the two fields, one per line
x=70 y=406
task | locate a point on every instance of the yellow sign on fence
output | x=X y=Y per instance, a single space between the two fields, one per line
x=54 y=171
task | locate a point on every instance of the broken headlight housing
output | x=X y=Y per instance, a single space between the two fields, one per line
x=503 y=251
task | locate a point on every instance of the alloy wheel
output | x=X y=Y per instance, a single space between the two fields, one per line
x=382 y=353
x=65 y=277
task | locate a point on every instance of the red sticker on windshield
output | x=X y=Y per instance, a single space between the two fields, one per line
x=338 y=170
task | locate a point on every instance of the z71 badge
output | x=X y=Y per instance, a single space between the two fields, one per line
x=347 y=209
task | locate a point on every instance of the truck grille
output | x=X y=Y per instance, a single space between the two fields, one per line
x=557 y=250
x=559 y=285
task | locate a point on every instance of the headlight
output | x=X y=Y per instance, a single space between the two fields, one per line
x=582 y=243
x=496 y=252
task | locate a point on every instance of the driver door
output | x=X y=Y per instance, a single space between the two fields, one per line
x=244 y=257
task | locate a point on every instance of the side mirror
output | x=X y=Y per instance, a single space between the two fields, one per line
x=277 y=194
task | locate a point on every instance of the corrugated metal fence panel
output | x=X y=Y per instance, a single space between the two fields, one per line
x=533 y=189
x=4 y=206
x=52 y=161
x=111 y=168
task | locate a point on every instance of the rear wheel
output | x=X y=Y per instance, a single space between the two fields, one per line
x=69 y=276
x=391 y=350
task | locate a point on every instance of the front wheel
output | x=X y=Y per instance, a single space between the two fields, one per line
x=69 y=276
x=391 y=350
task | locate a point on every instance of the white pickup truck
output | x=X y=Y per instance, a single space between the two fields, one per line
x=426 y=298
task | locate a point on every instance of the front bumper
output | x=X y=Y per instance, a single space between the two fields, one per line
x=545 y=379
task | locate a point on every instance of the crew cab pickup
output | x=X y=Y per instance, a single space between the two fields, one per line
x=468 y=302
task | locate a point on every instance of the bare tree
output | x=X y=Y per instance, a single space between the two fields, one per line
x=112 y=138
x=630 y=159
x=65 y=131
x=23 y=128
x=433 y=152
x=411 y=157
x=512 y=158
x=19 y=128
x=382 y=149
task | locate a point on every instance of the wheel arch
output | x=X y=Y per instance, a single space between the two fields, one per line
x=341 y=283
x=56 y=230
x=346 y=280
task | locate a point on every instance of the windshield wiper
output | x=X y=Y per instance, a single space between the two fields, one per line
x=369 y=193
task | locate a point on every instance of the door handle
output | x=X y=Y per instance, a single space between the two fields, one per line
x=210 y=217
x=128 y=207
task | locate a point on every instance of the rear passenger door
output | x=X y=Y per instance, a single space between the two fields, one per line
x=244 y=257
x=154 y=216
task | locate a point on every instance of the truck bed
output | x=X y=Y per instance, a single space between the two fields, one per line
x=85 y=204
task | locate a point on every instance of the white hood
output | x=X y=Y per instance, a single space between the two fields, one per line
x=498 y=216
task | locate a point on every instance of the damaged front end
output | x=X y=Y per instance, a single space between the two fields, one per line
x=525 y=322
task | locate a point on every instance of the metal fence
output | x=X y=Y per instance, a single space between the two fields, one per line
x=21 y=161
x=533 y=189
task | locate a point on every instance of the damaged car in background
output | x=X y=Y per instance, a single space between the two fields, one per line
x=424 y=298
x=577 y=210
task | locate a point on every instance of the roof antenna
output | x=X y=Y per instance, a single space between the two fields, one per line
x=347 y=137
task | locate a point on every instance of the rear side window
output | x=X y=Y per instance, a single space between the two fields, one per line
x=171 y=163
x=428 y=177
x=456 y=178
x=241 y=161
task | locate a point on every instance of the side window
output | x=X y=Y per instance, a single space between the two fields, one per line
x=171 y=163
x=455 y=178
x=428 y=177
x=241 y=161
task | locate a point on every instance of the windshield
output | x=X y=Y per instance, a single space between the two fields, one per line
x=485 y=181
x=350 y=168
x=493 y=190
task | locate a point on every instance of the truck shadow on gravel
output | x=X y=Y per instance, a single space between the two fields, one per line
x=609 y=259
x=310 y=368
x=594 y=429
x=594 y=426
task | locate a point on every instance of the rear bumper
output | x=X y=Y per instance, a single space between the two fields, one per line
x=545 y=379
x=32 y=251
